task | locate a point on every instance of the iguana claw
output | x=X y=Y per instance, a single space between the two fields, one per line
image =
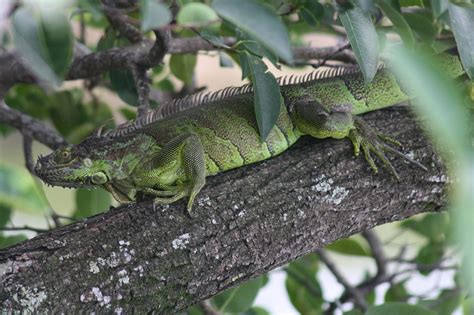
x=363 y=136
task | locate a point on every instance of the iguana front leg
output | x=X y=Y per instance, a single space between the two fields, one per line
x=176 y=171
x=338 y=122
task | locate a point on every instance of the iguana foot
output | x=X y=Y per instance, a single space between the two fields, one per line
x=363 y=136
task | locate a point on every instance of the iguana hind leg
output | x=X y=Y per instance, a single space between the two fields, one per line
x=176 y=171
x=339 y=122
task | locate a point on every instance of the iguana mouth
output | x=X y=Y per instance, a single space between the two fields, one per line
x=55 y=175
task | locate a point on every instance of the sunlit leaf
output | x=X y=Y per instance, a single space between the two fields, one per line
x=154 y=15
x=90 y=202
x=462 y=22
x=198 y=14
x=19 y=191
x=262 y=24
x=267 y=96
x=238 y=299
x=439 y=7
x=364 y=40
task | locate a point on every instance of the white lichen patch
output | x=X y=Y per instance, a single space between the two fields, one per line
x=204 y=201
x=118 y=311
x=95 y=294
x=181 y=241
x=213 y=221
x=438 y=179
x=124 y=243
x=285 y=216
x=123 y=277
x=30 y=298
x=241 y=213
x=93 y=267
x=139 y=269
x=332 y=195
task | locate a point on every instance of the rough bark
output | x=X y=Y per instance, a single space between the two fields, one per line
x=247 y=222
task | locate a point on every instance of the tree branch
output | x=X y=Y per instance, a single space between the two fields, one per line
x=359 y=299
x=35 y=128
x=246 y=222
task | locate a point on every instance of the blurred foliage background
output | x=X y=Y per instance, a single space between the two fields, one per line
x=404 y=34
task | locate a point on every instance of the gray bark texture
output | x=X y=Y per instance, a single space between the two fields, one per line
x=246 y=222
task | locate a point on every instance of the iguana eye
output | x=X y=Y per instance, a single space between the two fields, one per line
x=64 y=156
x=99 y=178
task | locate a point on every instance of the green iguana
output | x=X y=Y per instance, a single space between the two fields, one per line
x=169 y=152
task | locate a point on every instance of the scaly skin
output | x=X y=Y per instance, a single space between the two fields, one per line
x=170 y=158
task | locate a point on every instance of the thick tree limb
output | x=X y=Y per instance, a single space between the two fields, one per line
x=247 y=222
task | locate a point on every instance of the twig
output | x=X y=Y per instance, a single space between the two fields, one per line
x=23 y=228
x=123 y=24
x=377 y=252
x=143 y=89
x=359 y=299
x=207 y=308
x=27 y=143
x=37 y=129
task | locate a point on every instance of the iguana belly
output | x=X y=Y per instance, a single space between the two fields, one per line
x=229 y=134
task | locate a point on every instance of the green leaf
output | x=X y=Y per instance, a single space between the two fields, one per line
x=5 y=214
x=256 y=310
x=363 y=39
x=312 y=12
x=422 y=24
x=154 y=14
x=182 y=66
x=430 y=254
x=397 y=308
x=411 y=3
x=439 y=7
x=238 y=299
x=43 y=36
x=446 y=303
x=353 y=312
x=348 y=246
x=6 y=241
x=437 y=98
x=198 y=14
x=123 y=83
x=262 y=24
x=432 y=226
x=267 y=96
x=19 y=191
x=399 y=23
x=90 y=202
x=397 y=293
x=302 y=286
x=462 y=23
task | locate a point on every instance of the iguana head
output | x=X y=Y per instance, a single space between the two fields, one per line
x=93 y=162
x=74 y=166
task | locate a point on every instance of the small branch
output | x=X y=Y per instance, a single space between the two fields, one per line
x=359 y=299
x=123 y=24
x=24 y=228
x=27 y=143
x=37 y=129
x=207 y=308
x=377 y=252
x=143 y=89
